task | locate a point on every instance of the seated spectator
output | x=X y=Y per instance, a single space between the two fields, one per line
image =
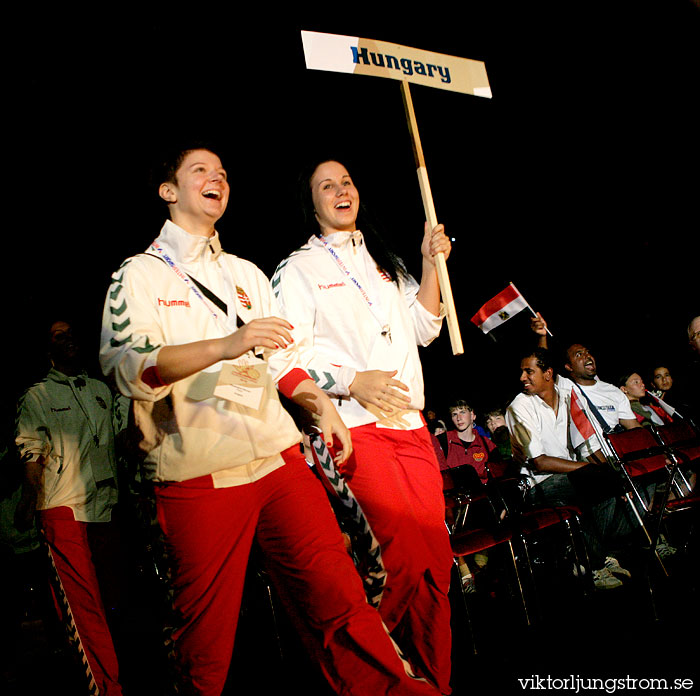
x=437 y=428
x=440 y=428
x=467 y=464
x=663 y=382
x=434 y=424
x=538 y=420
x=496 y=425
x=466 y=447
x=607 y=403
x=646 y=410
x=686 y=385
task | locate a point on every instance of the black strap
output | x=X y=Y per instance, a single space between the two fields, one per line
x=216 y=300
x=208 y=294
x=603 y=424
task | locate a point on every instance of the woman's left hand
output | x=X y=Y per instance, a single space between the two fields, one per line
x=434 y=242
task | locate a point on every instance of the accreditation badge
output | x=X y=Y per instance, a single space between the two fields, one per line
x=100 y=463
x=243 y=382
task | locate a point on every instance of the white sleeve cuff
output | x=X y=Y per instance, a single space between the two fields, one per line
x=346 y=376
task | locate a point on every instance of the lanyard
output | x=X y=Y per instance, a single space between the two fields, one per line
x=91 y=429
x=186 y=280
x=386 y=331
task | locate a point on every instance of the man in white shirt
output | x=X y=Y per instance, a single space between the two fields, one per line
x=601 y=397
x=607 y=399
x=538 y=420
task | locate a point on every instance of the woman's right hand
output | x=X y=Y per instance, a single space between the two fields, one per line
x=268 y=332
x=177 y=362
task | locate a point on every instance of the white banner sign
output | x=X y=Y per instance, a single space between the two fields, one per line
x=351 y=54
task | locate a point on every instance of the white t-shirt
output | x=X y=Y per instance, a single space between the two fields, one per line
x=612 y=404
x=535 y=429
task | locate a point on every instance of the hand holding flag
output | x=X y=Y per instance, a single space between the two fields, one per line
x=499 y=309
x=665 y=411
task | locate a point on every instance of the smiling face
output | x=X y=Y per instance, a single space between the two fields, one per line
x=335 y=198
x=662 y=379
x=533 y=378
x=199 y=194
x=581 y=363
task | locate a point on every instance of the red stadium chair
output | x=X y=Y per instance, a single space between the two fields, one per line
x=532 y=521
x=683 y=444
x=643 y=455
x=472 y=541
x=641 y=459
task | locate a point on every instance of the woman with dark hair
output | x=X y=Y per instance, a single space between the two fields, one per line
x=646 y=410
x=358 y=317
x=663 y=383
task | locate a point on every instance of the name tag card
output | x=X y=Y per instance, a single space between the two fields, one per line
x=243 y=383
x=100 y=463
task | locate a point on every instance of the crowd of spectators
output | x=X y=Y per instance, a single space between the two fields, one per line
x=477 y=444
x=538 y=440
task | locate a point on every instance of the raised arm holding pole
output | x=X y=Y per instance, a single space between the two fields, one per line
x=431 y=217
x=354 y=55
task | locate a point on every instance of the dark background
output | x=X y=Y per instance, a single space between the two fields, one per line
x=578 y=181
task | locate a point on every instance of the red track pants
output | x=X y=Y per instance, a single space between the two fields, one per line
x=396 y=479
x=209 y=533
x=78 y=599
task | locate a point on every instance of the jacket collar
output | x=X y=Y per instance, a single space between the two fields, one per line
x=453 y=436
x=186 y=247
x=57 y=376
x=339 y=240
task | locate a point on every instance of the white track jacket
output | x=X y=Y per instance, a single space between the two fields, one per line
x=338 y=329
x=186 y=430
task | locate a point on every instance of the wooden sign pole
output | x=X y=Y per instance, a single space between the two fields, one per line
x=431 y=217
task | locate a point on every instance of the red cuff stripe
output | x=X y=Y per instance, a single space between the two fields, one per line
x=152 y=378
x=291 y=381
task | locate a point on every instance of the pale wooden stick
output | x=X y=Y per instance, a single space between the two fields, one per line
x=431 y=217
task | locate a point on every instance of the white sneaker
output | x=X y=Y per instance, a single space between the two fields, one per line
x=468 y=583
x=664 y=550
x=466 y=577
x=481 y=559
x=579 y=570
x=616 y=569
x=603 y=579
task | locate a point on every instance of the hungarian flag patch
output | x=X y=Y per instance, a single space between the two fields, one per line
x=245 y=300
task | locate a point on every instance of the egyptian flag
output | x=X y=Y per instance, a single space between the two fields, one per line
x=579 y=418
x=498 y=310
